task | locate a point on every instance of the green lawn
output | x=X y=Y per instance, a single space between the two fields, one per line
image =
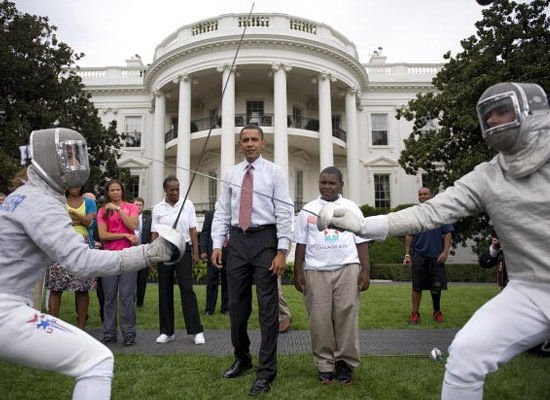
x=196 y=377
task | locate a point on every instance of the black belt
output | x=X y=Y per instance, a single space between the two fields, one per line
x=253 y=229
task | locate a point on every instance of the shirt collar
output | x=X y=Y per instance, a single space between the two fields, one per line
x=256 y=163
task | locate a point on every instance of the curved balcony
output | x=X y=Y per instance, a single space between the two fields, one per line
x=266 y=120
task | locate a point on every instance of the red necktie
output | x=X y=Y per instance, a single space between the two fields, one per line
x=245 y=211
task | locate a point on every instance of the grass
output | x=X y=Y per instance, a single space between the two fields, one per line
x=182 y=376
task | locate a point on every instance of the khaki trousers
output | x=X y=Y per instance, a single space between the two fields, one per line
x=332 y=302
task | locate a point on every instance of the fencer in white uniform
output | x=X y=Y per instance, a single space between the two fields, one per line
x=35 y=229
x=512 y=189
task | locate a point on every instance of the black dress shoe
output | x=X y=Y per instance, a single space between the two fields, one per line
x=259 y=387
x=238 y=368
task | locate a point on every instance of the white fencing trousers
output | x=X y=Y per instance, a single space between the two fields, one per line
x=41 y=341
x=505 y=326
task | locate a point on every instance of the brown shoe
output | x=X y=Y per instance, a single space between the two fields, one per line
x=284 y=325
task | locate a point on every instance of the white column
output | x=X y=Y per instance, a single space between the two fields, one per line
x=280 y=131
x=326 y=155
x=157 y=166
x=352 y=147
x=227 y=149
x=183 y=158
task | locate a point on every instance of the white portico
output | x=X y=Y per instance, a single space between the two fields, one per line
x=300 y=80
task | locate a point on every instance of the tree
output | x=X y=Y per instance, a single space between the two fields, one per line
x=40 y=88
x=512 y=43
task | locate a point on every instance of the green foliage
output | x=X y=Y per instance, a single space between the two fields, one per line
x=388 y=251
x=512 y=43
x=40 y=88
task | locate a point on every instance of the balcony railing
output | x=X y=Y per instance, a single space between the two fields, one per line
x=204 y=124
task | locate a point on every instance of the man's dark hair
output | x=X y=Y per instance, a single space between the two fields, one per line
x=169 y=178
x=332 y=171
x=255 y=127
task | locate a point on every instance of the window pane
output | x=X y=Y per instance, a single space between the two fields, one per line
x=132 y=130
x=254 y=112
x=379 y=129
x=382 y=198
x=133 y=188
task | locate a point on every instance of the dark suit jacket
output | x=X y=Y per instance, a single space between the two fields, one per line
x=205 y=240
x=145 y=233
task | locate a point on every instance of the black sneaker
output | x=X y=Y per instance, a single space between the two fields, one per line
x=342 y=372
x=129 y=341
x=108 y=340
x=325 y=377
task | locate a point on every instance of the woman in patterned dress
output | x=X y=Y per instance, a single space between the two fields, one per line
x=83 y=213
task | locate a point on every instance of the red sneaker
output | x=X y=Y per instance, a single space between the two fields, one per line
x=438 y=316
x=414 y=318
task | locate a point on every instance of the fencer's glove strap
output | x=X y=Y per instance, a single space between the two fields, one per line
x=160 y=250
x=133 y=258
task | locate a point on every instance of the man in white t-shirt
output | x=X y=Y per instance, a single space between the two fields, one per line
x=331 y=268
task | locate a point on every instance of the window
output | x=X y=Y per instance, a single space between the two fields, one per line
x=132 y=131
x=254 y=111
x=133 y=188
x=299 y=189
x=382 y=198
x=296 y=117
x=212 y=189
x=379 y=129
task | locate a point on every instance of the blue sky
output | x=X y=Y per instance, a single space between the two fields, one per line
x=110 y=31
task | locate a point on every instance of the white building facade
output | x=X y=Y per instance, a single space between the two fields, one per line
x=300 y=80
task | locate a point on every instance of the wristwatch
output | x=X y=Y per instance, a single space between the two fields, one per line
x=284 y=251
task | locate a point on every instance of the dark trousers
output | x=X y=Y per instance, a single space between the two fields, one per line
x=142 y=276
x=100 y=297
x=184 y=276
x=216 y=275
x=250 y=256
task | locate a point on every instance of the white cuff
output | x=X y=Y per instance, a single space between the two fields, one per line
x=375 y=228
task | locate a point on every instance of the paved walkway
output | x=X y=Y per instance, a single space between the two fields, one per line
x=383 y=342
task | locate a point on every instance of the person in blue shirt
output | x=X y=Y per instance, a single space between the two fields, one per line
x=430 y=250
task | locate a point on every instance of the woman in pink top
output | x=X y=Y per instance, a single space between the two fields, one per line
x=117 y=221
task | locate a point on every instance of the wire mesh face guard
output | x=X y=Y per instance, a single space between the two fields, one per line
x=60 y=157
x=499 y=113
x=503 y=108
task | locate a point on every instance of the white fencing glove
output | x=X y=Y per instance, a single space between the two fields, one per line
x=138 y=257
x=332 y=215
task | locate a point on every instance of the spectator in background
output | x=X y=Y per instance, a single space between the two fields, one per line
x=143 y=233
x=429 y=250
x=165 y=213
x=215 y=275
x=83 y=213
x=97 y=245
x=117 y=222
x=493 y=256
x=2 y=197
x=285 y=316
x=331 y=269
